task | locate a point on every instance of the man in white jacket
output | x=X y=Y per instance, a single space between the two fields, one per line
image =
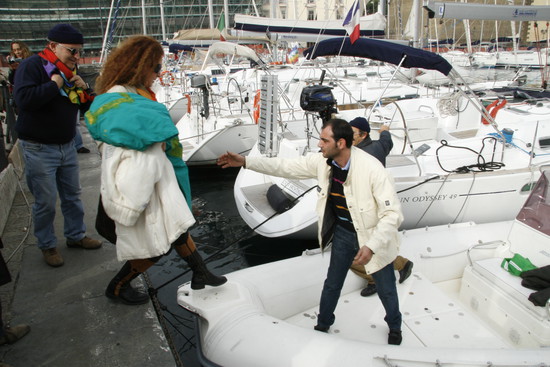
x=358 y=210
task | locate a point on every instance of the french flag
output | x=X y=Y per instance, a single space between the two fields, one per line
x=351 y=23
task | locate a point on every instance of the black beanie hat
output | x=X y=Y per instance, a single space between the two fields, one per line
x=65 y=33
x=361 y=123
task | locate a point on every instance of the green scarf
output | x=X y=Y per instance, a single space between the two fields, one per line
x=132 y=121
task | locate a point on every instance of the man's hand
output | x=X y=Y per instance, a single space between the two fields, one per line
x=78 y=82
x=363 y=256
x=58 y=80
x=230 y=159
x=384 y=128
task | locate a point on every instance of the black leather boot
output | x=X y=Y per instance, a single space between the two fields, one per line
x=121 y=290
x=201 y=275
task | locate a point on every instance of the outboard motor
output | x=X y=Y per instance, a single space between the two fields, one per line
x=318 y=98
x=201 y=81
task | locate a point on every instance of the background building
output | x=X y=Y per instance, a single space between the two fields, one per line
x=30 y=20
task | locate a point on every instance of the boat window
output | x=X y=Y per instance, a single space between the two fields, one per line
x=536 y=210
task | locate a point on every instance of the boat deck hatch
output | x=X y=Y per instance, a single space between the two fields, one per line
x=398 y=161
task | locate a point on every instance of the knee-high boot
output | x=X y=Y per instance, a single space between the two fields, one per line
x=120 y=288
x=201 y=275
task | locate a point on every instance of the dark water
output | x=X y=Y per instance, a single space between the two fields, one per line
x=227 y=244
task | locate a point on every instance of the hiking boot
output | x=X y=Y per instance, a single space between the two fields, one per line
x=406 y=271
x=13 y=334
x=369 y=291
x=86 y=243
x=52 y=257
x=395 y=337
x=127 y=294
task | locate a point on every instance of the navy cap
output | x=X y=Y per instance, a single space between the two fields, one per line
x=361 y=123
x=65 y=33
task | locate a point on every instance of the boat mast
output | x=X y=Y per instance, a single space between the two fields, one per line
x=211 y=14
x=162 y=24
x=416 y=23
x=107 y=29
x=143 y=16
x=226 y=12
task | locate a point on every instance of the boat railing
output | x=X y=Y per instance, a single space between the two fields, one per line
x=481 y=245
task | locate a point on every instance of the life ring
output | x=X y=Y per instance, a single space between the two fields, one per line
x=188 y=97
x=167 y=78
x=492 y=109
x=256 y=110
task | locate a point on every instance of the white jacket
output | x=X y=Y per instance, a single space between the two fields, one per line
x=140 y=193
x=370 y=194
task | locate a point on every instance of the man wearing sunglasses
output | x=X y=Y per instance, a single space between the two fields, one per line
x=50 y=93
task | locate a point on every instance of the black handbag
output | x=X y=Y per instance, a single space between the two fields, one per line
x=104 y=225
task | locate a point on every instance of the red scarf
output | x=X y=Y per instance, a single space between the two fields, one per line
x=50 y=56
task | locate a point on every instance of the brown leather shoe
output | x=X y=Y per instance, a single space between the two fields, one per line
x=5 y=365
x=52 y=257
x=14 y=333
x=86 y=243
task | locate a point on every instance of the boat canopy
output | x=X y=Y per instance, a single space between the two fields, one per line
x=382 y=51
x=231 y=48
x=175 y=47
x=468 y=10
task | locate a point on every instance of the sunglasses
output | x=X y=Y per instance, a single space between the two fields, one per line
x=157 y=68
x=73 y=51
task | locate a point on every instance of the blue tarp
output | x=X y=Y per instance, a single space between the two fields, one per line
x=175 y=47
x=448 y=41
x=380 y=50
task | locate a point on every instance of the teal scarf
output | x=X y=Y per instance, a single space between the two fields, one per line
x=132 y=121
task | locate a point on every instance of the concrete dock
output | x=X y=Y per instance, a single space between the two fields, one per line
x=72 y=322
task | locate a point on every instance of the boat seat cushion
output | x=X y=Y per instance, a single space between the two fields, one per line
x=490 y=269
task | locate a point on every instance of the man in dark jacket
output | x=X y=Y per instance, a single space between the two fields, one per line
x=378 y=149
x=49 y=94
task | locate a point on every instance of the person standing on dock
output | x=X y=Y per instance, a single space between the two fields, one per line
x=145 y=185
x=358 y=210
x=49 y=93
x=379 y=149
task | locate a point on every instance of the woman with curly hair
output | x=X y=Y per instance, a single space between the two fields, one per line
x=144 y=182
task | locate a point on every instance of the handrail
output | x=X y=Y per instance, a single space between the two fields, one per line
x=497 y=242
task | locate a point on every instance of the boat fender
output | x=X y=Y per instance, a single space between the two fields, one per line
x=277 y=199
x=188 y=97
x=167 y=78
x=256 y=110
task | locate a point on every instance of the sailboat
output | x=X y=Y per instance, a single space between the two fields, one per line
x=452 y=160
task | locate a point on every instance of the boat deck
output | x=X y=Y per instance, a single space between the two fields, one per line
x=431 y=318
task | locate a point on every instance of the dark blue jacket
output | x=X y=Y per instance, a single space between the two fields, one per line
x=45 y=116
x=378 y=148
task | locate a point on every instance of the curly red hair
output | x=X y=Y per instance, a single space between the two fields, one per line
x=130 y=63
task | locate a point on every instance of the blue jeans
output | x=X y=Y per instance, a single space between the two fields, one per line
x=344 y=249
x=52 y=169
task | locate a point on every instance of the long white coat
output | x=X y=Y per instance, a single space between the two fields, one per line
x=140 y=193
x=370 y=194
